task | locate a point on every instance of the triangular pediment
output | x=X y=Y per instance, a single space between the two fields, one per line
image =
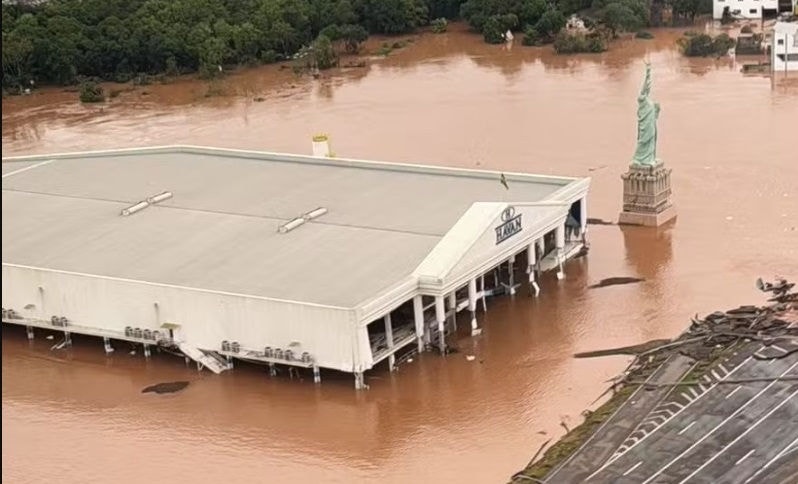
x=484 y=233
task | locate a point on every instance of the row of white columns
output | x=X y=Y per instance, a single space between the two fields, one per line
x=422 y=336
x=531 y=269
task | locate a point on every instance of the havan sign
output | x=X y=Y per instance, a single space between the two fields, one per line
x=511 y=225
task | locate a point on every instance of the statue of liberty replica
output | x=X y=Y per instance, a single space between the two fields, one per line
x=647 y=184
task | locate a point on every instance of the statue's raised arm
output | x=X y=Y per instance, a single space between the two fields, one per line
x=645 y=90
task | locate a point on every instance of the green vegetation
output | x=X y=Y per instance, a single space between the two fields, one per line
x=91 y=92
x=62 y=41
x=439 y=25
x=572 y=43
x=58 y=41
x=703 y=45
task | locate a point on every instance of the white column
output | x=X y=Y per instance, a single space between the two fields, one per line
x=510 y=263
x=107 y=344
x=146 y=350
x=559 y=234
x=30 y=332
x=482 y=285
x=453 y=307
x=316 y=374
x=541 y=244
x=67 y=339
x=530 y=268
x=418 y=314
x=360 y=382
x=389 y=341
x=583 y=218
x=440 y=317
x=472 y=306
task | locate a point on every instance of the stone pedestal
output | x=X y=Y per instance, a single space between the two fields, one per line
x=647 y=195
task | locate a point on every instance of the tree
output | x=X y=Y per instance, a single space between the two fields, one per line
x=618 y=16
x=492 y=30
x=392 y=16
x=550 y=23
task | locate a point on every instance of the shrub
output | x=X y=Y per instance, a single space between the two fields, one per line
x=746 y=29
x=91 y=92
x=550 y=24
x=439 y=25
x=567 y=43
x=703 y=45
x=531 y=37
x=492 y=30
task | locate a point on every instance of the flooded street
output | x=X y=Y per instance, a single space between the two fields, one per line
x=80 y=417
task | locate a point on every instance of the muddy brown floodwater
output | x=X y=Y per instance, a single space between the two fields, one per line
x=79 y=417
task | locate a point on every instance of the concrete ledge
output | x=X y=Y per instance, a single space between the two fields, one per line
x=647 y=219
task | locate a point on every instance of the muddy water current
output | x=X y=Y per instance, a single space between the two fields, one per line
x=79 y=417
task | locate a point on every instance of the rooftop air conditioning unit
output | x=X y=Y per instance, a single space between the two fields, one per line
x=137 y=333
x=235 y=347
x=129 y=331
x=268 y=352
x=156 y=335
x=306 y=358
x=289 y=355
x=225 y=345
x=278 y=353
x=147 y=334
x=64 y=321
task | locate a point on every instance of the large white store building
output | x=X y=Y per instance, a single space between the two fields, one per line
x=280 y=259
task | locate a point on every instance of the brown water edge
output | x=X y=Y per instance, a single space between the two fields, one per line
x=449 y=100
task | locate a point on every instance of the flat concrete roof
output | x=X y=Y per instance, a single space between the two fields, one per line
x=219 y=231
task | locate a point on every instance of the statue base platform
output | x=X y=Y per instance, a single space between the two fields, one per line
x=647 y=219
x=647 y=195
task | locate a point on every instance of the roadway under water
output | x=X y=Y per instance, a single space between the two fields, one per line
x=79 y=417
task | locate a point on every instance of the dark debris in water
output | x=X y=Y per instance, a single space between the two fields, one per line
x=167 y=387
x=615 y=281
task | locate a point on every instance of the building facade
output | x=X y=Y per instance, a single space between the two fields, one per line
x=278 y=259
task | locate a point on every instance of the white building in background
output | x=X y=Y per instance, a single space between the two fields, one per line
x=751 y=9
x=784 y=47
x=283 y=260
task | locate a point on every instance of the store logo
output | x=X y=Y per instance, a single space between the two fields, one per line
x=511 y=225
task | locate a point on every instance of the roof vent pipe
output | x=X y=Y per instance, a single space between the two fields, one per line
x=135 y=208
x=316 y=213
x=160 y=197
x=291 y=225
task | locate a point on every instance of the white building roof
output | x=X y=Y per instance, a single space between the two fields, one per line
x=219 y=230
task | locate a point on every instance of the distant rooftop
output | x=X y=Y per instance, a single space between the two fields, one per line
x=219 y=231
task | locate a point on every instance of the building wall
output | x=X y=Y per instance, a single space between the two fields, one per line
x=206 y=318
x=750 y=9
x=785 y=53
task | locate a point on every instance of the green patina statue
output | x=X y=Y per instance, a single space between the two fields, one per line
x=647 y=114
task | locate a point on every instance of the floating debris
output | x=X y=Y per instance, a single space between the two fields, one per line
x=615 y=281
x=168 y=387
x=471 y=357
